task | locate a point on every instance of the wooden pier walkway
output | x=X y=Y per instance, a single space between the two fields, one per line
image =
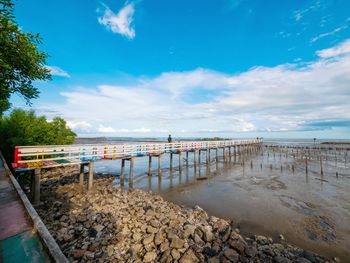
x=18 y=241
x=37 y=157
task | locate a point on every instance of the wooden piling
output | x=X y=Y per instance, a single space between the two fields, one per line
x=150 y=164
x=81 y=175
x=180 y=162
x=122 y=173
x=91 y=175
x=171 y=161
x=187 y=158
x=159 y=165
x=131 y=174
x=36 y=190
x=217 y=154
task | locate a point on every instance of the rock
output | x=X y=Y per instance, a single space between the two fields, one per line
x=92 y=232
x=198 y=240
x=110 y=251
x=189 y=230
x=238 y=244
x=261 y=240
x=136 y=247
x=176 y=242
x=225 y=233
x=189 y=257
x=207 y=234
x=158 y=239
x=149 y=256
x=209 y=251
x=231 y=254
x=147 y=240
x=137 y=236
x=250 y=251
x=214 y=260
x=78 y=253
x=280 y=259
x=151 y=230
x=175 y=254
x=164 y=246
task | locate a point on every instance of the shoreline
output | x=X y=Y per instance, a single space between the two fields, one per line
x=111 y=225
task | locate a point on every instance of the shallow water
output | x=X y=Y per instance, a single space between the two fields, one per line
x=267 y=192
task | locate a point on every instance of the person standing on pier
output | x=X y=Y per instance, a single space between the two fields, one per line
x=170 y=139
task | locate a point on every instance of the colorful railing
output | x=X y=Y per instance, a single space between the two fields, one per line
x=31 y=157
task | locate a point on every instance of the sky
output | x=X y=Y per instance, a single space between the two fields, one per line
x=231 y=68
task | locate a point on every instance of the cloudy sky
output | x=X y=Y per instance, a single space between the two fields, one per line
x=236 y=68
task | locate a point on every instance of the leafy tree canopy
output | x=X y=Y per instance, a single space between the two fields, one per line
x=21 y=62
x=22 y=128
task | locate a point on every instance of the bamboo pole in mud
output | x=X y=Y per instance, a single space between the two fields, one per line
x=131 y=174
x=122 y=173
x=150 y=164
x=91 y=175
x=306 y=166
x=159 y=165
x=81 y=175
x=321 y=168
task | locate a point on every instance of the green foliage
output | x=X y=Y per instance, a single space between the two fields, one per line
x=23 y=128
x=21 y=62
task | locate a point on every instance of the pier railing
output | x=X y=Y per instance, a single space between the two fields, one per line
x=31 y=157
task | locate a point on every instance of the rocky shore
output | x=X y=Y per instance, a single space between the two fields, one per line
x=111 y=225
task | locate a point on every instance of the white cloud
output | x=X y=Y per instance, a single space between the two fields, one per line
x=341 y=49
x=291 y=97
x=330 y=33
x=79 y=125
x=121 y=23
x=56 y=71
x=105 y=129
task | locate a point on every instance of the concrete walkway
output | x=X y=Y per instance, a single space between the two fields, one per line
x=18 y=240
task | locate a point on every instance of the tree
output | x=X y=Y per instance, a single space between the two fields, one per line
x=21 y=62
x=22 y=128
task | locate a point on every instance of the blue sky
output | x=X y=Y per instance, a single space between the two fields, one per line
x=195 y=68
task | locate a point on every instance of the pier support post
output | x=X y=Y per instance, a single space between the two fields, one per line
x=229 y=152
x=131 y=175
x=36 y=186
x=81 y=175
x=150 y=165
x=180 y=162
x=207 y=156
x=217 y=155
x=91 y=175
x=199 y=157
x=171 y=161
x=187 y=158
x=159 y=165
x=194 y=158
x=122 y=173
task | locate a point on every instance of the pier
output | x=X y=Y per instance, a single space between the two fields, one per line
x=35 y=158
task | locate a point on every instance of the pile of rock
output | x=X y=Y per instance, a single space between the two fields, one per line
x=109 y=225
